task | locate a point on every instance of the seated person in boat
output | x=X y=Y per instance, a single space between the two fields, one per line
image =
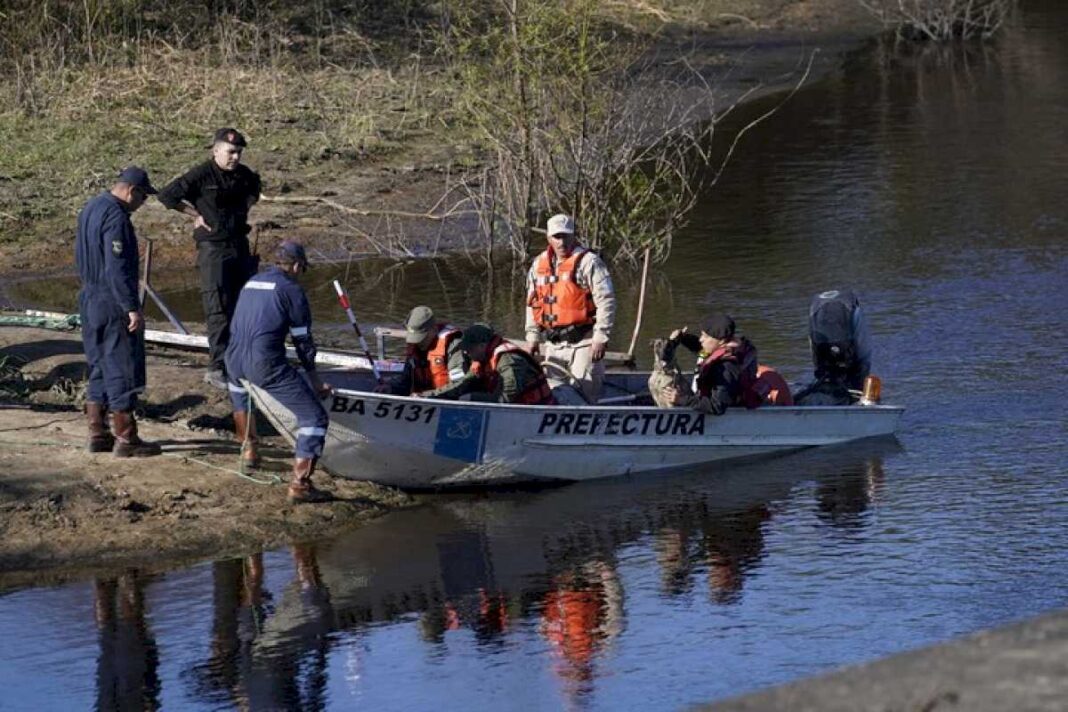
x=501 y=372
x=433 y=360
x=727 y=372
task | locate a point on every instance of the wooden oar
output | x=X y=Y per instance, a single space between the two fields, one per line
x=343 y=300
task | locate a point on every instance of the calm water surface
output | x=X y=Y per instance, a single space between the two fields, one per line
x=935 y=186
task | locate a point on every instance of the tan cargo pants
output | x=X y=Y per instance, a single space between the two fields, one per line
x=571 y=364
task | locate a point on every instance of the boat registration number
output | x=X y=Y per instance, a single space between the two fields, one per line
x=411 y=412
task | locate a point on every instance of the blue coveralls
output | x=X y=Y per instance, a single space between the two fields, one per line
x=105 y=250
x=271 y=307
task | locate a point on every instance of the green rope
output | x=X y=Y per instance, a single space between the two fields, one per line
x=270 y=480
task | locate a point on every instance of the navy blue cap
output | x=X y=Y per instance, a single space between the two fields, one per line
x=719 y=326
x=292 y=251
x=138 y=178
x=476 y=334
x=229 y=135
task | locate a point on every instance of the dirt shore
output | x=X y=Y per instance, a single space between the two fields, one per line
x=65 y=512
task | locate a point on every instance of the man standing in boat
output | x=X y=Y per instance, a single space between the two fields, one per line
x=113 y=328
x=501 y=372
x=571 y=307
x=272 y=306
x=434 y=359
x=218 y=195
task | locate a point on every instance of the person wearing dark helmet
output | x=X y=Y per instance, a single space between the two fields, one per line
x=727 y=365
x=271 y=307
x=113 y=328
x=218 y=194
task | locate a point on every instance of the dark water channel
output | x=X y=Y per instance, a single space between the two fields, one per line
x=935 y=186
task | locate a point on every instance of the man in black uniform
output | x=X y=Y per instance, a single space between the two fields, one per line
x=113 y=332
x=218 y=194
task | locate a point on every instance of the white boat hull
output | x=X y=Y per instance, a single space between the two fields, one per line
x=418 y=443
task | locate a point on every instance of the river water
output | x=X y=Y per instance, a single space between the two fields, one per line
x=934 y=185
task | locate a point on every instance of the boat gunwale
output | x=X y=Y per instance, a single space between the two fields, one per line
x=483 y=405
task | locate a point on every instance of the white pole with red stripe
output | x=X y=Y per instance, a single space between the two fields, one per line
x=343 y=300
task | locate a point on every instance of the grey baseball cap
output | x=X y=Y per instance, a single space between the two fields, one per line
x=560 y=225
x=420 y=322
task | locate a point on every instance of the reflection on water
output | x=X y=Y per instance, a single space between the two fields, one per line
x=126 y=673
x=541 y=575
x=542 y=580
x=251 y=665
x=934 y=185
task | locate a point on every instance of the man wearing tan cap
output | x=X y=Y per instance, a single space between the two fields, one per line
x=571 y=307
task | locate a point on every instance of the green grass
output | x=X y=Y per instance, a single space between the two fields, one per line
x=91 y=121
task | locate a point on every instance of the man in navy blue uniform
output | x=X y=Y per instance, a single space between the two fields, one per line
x=112 y=324
x=271 y=307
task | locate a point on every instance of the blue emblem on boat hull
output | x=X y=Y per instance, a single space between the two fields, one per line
x=459 y=434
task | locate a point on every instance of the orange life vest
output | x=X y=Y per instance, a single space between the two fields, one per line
x=769 y=388
x=558 y=300
x=536 y=393
x=433 y=370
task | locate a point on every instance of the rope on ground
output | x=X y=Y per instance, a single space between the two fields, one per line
x=41 y=425
x=34 y=442
x=271 y=479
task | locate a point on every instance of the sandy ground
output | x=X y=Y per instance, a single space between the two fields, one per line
x=66 y=511
x=1017 y=667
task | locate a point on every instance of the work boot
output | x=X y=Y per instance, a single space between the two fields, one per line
x=127 y=442
x=216 y=377
x=100 y=440
x=301 y=489
x=245 y=433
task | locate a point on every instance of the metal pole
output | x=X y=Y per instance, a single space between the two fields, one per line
x=147 y=272
x=641 y=309
x=343 y=300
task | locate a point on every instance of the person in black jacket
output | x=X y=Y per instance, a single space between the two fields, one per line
x=218 y=195
x=726 y=367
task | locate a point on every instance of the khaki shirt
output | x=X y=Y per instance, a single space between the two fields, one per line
x=593 y=275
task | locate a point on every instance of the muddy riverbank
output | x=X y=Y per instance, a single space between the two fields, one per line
x=64 y=512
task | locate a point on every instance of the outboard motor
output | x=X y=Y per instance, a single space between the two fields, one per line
x=838 y=334
x=841 y=349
